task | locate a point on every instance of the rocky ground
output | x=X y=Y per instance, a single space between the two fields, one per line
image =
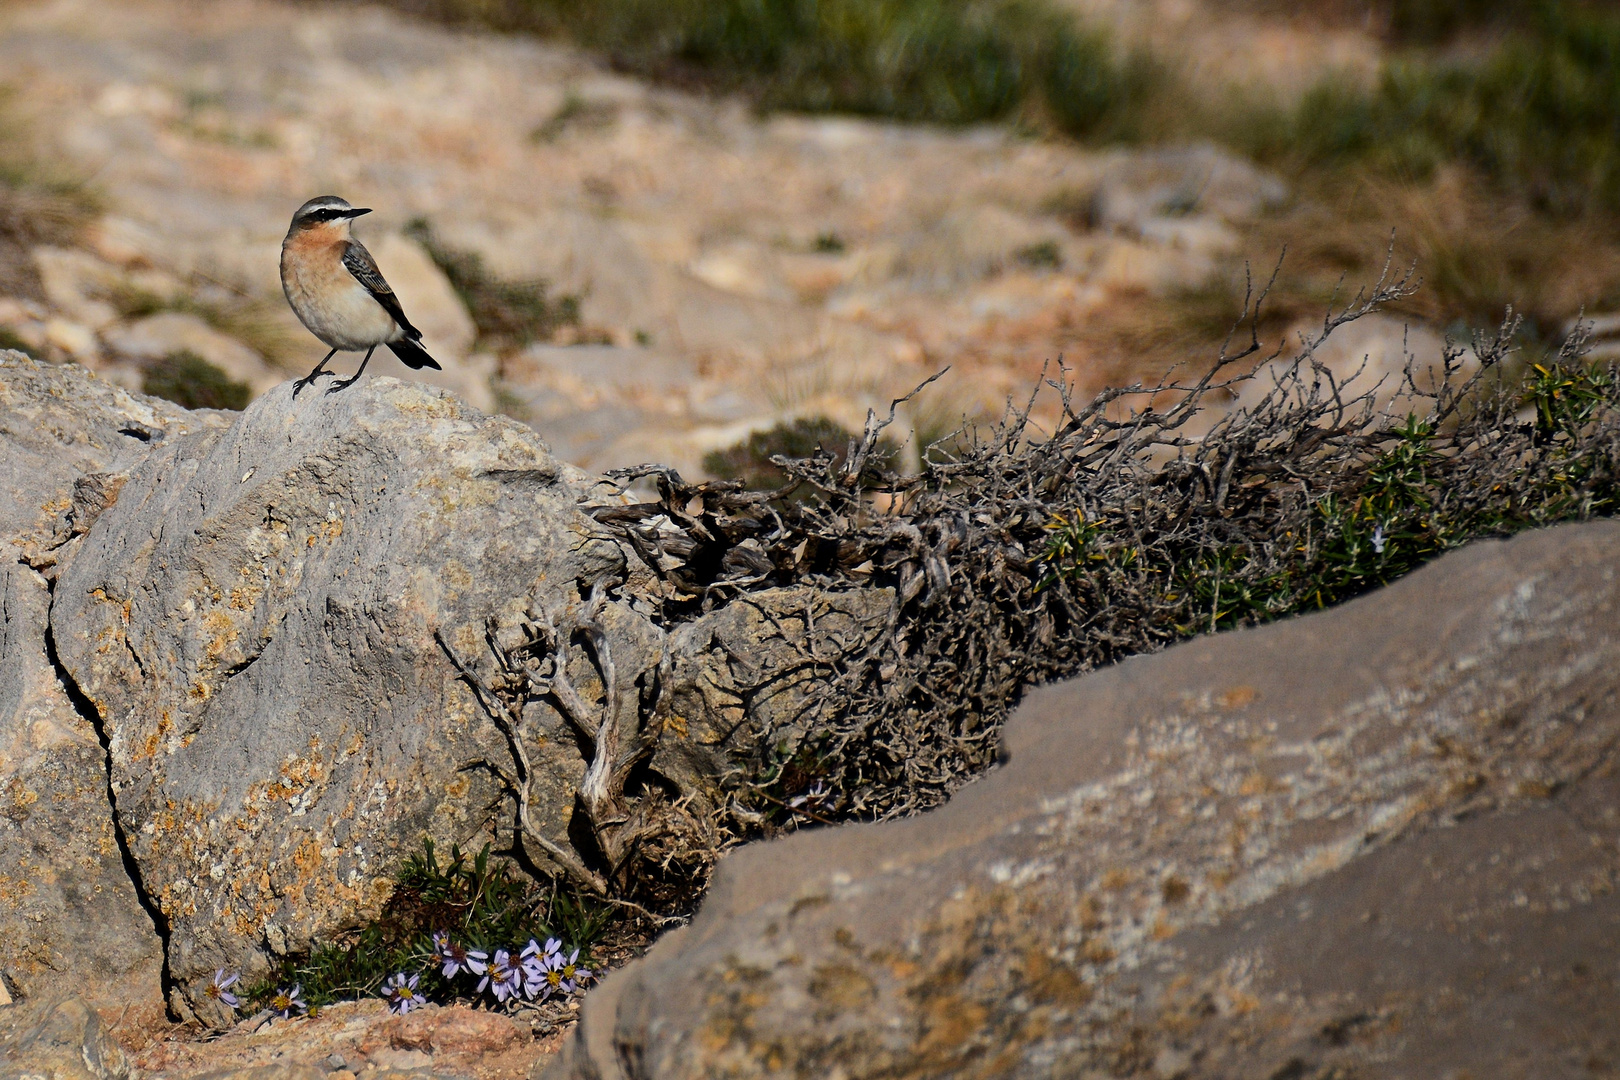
x=218 y=751
x=67 y=1040
x=1379 y=841
x=731 y=270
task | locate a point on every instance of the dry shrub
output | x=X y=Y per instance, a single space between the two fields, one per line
x=1016 y=560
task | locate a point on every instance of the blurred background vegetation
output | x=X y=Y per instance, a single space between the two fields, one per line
x=39 y=204
x=1533 y=102
x=1488 y=143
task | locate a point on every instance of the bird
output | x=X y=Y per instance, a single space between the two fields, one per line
x=337 y=292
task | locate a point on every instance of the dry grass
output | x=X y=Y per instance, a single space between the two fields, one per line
x=1478 y=252
x=39 y=204
x=1016 y=559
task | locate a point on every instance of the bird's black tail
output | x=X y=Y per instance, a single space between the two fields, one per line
x=412 y=355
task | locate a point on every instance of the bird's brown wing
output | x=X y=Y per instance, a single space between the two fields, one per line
x=358 y=261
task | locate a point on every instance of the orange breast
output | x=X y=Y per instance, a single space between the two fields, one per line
x=325 y=296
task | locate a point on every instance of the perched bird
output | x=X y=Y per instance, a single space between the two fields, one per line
x=336 y=290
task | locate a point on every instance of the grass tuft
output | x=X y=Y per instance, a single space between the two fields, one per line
x=753 y=461
x=1538 y=115
x=508 y=314
x=935 y=61
x=10 y=340
x=187 y=379
x=1434 y=22
x=39 y=204
x=480 y=901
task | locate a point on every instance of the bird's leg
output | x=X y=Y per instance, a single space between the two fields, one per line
x=341 y=383
x=320 y=369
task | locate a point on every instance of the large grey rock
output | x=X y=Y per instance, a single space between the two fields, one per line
x=59 y=424
x=1375 y=842
x=263 y=625
x=57 y=1038
x=257 y=622
x=67 y=906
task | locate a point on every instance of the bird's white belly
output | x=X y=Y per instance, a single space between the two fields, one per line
x=341 y=313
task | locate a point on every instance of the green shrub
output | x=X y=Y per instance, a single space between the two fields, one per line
x=1417 y=497
x=39 y=204
x=187 y=379
x=1430 y=22
x=481 y=902
x=1092 y=94
x=10 y=340
x=1022 y=556
x=1540 y=114
x=941 y=61
x=1045 y=255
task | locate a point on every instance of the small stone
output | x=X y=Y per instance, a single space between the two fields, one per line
x=14 y=311
x=454 y=1029
x=335 y=1061
x=72 y=338
x=75 y=282
x=61 y=1038
x=1172 y=1064
x=401 y=1060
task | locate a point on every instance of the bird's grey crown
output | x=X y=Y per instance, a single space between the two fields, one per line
x=322 y=202
x=325 y=208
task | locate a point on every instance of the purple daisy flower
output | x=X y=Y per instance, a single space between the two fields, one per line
x=505 y=976
x=534 y=968
x=573 y=974
x=220 y=988
x=400 y=993
x=285 y=1001
x=815 y=798
x=454 y=958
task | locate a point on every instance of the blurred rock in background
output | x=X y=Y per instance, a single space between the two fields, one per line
x=743 y=270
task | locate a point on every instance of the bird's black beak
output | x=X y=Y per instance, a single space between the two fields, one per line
x=357 y=211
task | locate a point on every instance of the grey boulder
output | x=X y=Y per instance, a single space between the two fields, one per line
x=67 y=905
x=1382 y=841
x=263 y=621
x=297 y=640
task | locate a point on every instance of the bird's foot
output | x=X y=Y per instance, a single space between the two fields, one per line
x=343 y=384
x=305 y=381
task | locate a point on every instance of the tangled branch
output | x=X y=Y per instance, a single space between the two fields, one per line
x=889 y=622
